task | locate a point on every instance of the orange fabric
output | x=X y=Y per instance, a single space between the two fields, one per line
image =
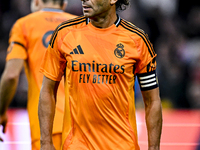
x=57 y=142
x=28 y=40
x=35 y=145
x=100 y=67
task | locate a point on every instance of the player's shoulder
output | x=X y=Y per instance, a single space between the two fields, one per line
x=70 y=16
x=132 y=29
x=67 y=26
x=28 y=17
x=23 y=20
x=74 y=23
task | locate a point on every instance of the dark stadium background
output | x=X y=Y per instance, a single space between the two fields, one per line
x=173 y=27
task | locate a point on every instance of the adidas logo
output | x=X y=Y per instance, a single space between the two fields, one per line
x=77 y=50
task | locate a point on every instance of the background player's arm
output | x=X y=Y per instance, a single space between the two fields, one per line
x=46 y=112
x=153 y=115
x=8 y=86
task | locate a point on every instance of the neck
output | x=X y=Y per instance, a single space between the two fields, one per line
x=51 y=5
x=104 y=20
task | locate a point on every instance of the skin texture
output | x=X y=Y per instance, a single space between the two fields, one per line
x=46 y=112
x=37 y=5
x=153 y=116
x=102 y=13
x=8 y=86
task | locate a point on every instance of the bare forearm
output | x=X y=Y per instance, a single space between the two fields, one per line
x=46 y=111
x=154 y=124
x=7 y=91
x=9 y=81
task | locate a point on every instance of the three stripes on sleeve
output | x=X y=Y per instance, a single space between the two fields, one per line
x=148 y=81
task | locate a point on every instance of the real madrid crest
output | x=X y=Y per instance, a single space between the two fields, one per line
x=119 y=51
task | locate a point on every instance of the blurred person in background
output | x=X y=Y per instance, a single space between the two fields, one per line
x=100 y=54
x=28 y=41
x=191 y=55
x=170 y=37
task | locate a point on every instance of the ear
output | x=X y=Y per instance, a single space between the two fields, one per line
x=112 y=2
x=64 y=5
x=35 y=5
x=36 y=2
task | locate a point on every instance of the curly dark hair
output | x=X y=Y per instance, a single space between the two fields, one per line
x=122 y=4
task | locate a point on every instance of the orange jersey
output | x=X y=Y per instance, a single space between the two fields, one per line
x=29 y=40
x=99 y=66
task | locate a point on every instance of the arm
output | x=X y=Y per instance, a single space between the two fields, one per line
x=8 y=86
x=46 y=112
x=153 y=115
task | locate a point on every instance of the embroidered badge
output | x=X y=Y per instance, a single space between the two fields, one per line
x=119 y=51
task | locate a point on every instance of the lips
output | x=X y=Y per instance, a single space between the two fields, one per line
x=86 y=7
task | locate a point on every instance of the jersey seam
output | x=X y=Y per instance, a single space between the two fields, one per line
x=147 y=62
x=140 y=34
x=68 y=23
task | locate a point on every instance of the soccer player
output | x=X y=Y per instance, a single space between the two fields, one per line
x=100 y=54
x=28 y=41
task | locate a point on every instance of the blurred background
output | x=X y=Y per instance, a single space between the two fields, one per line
x=173 y=27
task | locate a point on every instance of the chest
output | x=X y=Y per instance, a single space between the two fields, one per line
x=106 y=53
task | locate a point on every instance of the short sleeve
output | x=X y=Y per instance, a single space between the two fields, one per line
x=146 y=66
x=146 y=54
x=54 y=63
x=17 y=42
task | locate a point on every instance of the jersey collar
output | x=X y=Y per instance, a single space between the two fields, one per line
x=117 y=22
x=51 y=10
